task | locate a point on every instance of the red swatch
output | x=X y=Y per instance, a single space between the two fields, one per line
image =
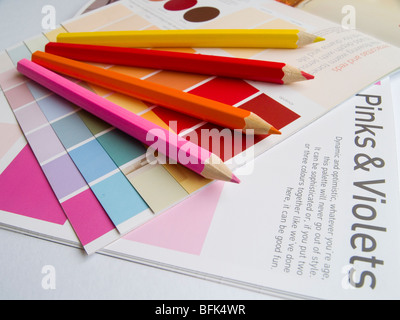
x=225 y=90
x=270 y=110
x=227 y=144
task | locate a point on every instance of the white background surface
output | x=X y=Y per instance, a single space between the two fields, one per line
x=77 y=275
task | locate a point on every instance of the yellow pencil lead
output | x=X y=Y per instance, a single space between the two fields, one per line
x=318 y=39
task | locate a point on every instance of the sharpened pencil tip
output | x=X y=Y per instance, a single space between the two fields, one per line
x=307 y=75
x=235 y=179
x=258 y=125
x=318 y=39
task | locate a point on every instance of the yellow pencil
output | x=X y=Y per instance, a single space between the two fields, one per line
x=217 y=38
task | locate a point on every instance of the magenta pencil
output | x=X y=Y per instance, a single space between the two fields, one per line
x=168 y=143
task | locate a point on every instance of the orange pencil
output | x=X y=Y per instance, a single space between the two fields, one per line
x=190 y=104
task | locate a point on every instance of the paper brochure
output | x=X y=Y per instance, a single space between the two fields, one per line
x=357 y=14
x=319 y=222
x=327 y=228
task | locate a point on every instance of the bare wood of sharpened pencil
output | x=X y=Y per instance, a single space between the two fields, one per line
x=292 y=74
x=306 y=38
x=214 y=168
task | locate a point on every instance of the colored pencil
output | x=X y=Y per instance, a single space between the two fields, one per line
x=258 y=70
x=190 y=104
x=215 y=38
x=195 y=158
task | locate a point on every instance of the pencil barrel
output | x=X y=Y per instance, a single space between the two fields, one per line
x=256 y=70
x=221 y=38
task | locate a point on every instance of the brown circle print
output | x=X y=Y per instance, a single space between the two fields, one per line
x=201 y=14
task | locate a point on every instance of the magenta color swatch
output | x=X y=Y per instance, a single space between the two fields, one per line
x=25 y=191
x=225 y=90
x=85 y=207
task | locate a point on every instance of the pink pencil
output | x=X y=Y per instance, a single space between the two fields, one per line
x=165 y=142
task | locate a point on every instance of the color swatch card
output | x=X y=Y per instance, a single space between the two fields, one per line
x=78 y=160
x=103 y=179
x=27 y=201
x=27 y=100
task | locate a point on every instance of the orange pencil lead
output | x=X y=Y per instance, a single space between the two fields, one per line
x=273 y=130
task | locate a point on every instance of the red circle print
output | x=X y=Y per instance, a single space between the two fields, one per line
x=201 y=14
x=177 y=5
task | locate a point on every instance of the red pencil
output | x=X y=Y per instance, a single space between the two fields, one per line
x=258 y=70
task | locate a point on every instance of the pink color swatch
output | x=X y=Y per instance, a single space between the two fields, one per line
x=25 y=191
x=19 y=96
x=184 y=227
